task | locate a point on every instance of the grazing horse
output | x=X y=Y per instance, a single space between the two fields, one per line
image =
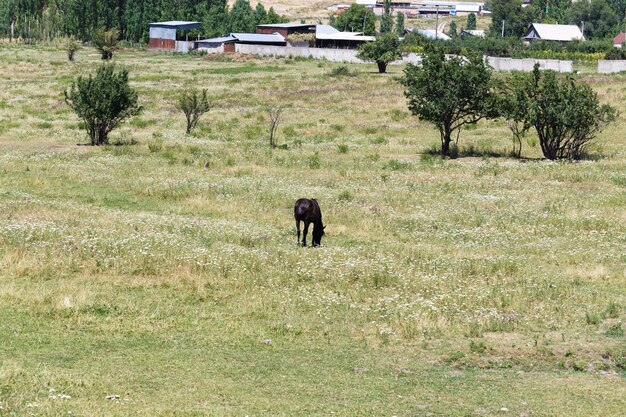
x=309 y=212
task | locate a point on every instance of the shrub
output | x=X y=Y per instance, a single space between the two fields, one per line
x=341 y=71
x=71 y=47
x=567 y=116
x=194 y=103
x=106 y=42
x=103 y=101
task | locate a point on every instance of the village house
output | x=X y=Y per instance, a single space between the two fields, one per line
x=557 y=33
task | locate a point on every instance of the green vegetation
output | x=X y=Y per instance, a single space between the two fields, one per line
x=103 y=101
x=358 y=18
x=566 y=116
x=193 y=103
x=450 y=93
x=163 y=278
x=385 y=49
x=106 y=42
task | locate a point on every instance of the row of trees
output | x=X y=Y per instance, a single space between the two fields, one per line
x=359 y=18
x=455 y=92
x=602 y=18
x=47 y=19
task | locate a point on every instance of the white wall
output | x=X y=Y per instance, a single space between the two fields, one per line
x=609 y=67
x=527 y=65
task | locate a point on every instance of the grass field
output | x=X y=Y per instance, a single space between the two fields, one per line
x=164 y=269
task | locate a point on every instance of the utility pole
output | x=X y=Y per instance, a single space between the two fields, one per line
x=437 y=24
x=503 y=28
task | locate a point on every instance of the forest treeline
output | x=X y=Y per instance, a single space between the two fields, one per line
x=47 y=19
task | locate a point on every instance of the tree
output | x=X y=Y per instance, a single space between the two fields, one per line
x=357 y=18
x=514 y=106
x=400 y=24
x=193 y=103
x=567 y=116
x=452 y=31
x=385 y=49
x=386 y=21
x=103 y=101
x=71 y=47
x=332 y=20
x=106 y=42
x=471 y=21
x=516 y=19
x=241 y=17
x=450 y=93
x=600 y=20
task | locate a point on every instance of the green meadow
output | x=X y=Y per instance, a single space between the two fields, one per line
x=160 y=275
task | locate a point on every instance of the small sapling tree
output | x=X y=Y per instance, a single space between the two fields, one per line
x=385 y=49
x=103 y=101
x=514 y=106
x=450 y=93
x=106 y=42
x=194 y=103
x=72 y=46
x=274 y=113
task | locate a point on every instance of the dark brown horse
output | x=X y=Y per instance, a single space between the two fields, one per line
x=309 y=212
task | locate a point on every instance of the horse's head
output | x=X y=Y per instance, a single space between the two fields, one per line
x=318 y=232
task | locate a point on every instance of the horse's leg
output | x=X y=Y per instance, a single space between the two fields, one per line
x=298 y=229
x=306 y=231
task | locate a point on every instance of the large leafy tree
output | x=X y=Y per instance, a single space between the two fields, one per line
x=385 y=49
x=103 y=101
x=357 y=18
x=566 y=116
x=450 y=93
x=516 y=18
x=600 y=19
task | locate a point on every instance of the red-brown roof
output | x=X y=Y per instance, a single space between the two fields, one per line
x=619 y=39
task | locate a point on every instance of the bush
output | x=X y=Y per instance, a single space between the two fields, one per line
x=194 y=103
x=106 y=42
x=103 y=101
x=567 y=116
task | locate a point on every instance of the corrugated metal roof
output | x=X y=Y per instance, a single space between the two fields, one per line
x=177 y=24
x=345 y=36
x=325 y=29
x=432 y=34
x=258 y=38
x=286 y=25
x=222 y=39
x=474 y=32
x=549 y=32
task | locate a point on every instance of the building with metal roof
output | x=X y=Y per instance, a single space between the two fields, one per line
x=228 y=42
x=172 y=35
x=327 y=36
x=558 y=33
x=430 y=33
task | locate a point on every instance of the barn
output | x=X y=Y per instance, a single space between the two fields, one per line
x=172 y=36
x=227 y=43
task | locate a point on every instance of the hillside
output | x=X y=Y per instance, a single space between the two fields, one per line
x=301 y=9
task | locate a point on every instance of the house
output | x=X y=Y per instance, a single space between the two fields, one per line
x=619 y=40
x=327 y=36
x=228 y=42
x=172 y=36
x=557 y=33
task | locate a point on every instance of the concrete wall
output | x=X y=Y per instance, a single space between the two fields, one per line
x=609 y=67
x=333 y=55
x=527 y=65
x=184 y=46
x=211 y=49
